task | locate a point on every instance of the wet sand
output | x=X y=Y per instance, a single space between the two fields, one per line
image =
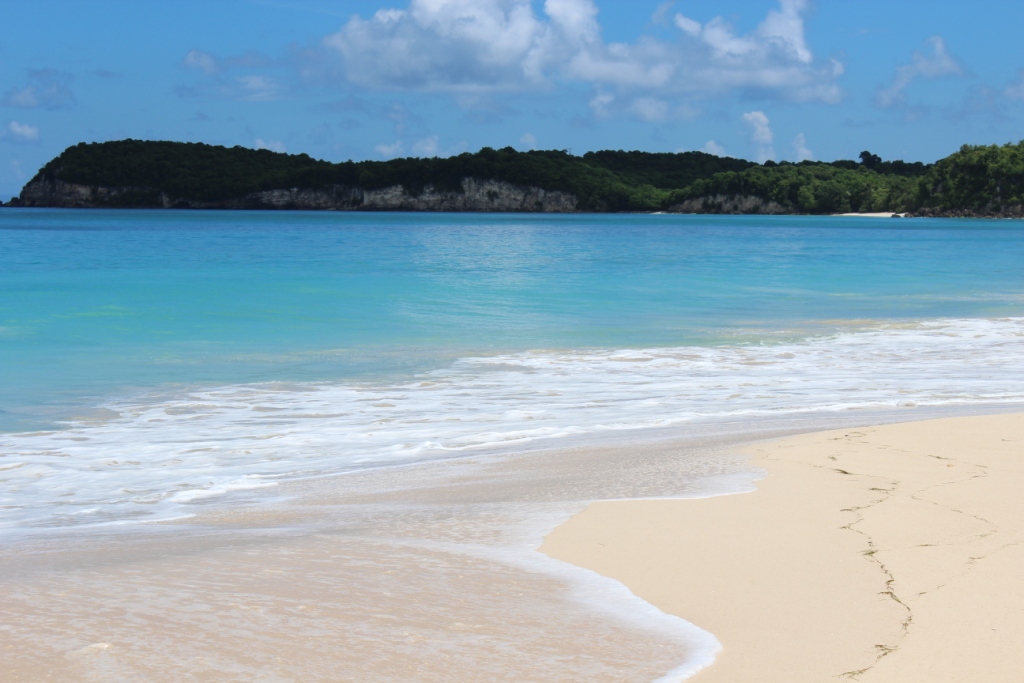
x=425 y=573
x=430 y=572
x=879 y=554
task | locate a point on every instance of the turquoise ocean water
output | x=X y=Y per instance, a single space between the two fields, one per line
x=151 y=358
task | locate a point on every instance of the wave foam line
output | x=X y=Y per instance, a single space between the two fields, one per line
x=162 y=454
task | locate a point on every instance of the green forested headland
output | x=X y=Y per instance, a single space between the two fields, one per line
x=976 y=180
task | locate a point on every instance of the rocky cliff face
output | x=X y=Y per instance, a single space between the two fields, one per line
x=57 y=193
x=476 y=195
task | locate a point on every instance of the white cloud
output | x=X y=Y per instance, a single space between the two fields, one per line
x=22 y=97
x=458 y=148
x=760 y=135
x=447 y=45
x=493 y=45
x=800 y=150
x=687 y=25
x=390 y=151
x=528 y=140
x=784 y=28
x=22 y=132
x=255 y=88
x=272 y=145
x=938 y=63
x=204 y=61
x=46 y=89
x=712 y=147
x=427 y=147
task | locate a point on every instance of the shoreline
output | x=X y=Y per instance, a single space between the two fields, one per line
x=871 y=214
x=959 y=213
x=883 y=553
x=435 y=554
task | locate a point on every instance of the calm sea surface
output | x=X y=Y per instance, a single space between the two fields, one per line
x=184 y=354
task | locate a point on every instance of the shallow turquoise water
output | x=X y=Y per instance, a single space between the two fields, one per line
x=93 y=303
x=185 y=355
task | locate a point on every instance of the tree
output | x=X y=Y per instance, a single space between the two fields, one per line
x=869 y=160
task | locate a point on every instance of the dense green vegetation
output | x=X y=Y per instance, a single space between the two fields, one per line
x=603 y=181
x=976 y=180
x=980 y=180
x=193 y=171
x=805 y=188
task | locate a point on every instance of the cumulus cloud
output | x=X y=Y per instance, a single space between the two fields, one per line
x=444 y=45
x=46 y=89
x=782 y=29
x=800 y=150
x=204 y=61
x=528 y=140
x=21 y=132
x=932 y=63
x=760 y=135
x=256 y=88
x=390 y=151
x=504 y=45
x=712 y=147
x=272 y=145
x=427 y=147
x=687 y=25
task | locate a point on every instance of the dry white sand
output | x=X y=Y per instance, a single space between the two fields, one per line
x=872 y=214
x=892 y=553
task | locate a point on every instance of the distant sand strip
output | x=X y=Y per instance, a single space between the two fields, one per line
x=872 y=214
x=892 y=553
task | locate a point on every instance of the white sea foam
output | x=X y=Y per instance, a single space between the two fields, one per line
x=163 y=454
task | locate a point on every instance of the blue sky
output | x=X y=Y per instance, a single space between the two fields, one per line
x=782 y=79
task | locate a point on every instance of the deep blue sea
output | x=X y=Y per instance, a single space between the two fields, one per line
x=150 y=358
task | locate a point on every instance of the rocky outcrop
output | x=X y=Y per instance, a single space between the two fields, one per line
x=57 y=193
x=476 y=195
x=730 y=204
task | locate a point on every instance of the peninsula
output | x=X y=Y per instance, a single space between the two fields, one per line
x=983 y=181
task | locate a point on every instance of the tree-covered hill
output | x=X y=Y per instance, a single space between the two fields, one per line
x=976 y=180
x=603 y=181
x=801 y=188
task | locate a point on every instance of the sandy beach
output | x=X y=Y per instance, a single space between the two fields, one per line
x=890 y=553
x=872 y=214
